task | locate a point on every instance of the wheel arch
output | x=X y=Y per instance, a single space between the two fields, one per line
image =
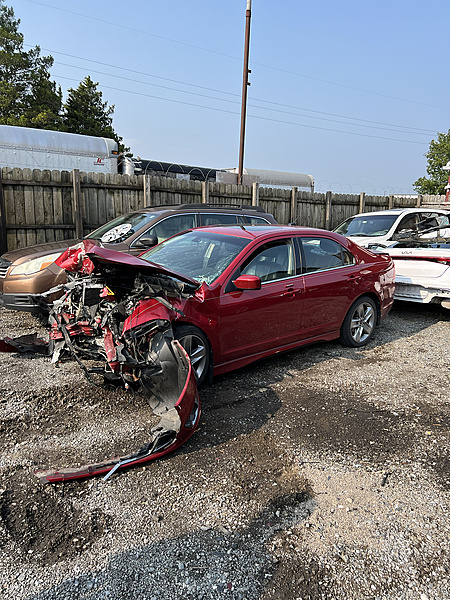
x=180 y=323
x=373 y=296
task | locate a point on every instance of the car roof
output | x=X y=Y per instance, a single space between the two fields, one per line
x=398 y=211
x=203 y=207
x=261 y=231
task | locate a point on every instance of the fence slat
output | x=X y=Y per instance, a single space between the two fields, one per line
x=38 y=206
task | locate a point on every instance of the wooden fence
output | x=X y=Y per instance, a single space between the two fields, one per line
x=45 y=206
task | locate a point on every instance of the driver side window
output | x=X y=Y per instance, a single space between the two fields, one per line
x=172 y=225
x=408 y=223
x=273 y=261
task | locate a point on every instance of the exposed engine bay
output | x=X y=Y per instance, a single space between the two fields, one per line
x=93 y=323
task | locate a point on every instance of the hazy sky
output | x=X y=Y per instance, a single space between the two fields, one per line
x=350 y=92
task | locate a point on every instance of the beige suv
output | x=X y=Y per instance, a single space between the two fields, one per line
x=27 y=273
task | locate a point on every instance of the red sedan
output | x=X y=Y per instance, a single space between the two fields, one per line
x=228 y=295
x=260 y=290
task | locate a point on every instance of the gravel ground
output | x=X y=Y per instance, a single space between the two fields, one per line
x=321 y=473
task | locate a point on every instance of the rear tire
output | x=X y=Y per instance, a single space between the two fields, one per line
x=359 y=324
x=196 y=344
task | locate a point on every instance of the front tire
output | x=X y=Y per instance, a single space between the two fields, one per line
x=359 y=324
x=196 y=344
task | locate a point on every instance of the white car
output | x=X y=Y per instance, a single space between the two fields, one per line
x=385 y=226
x=418 y=239
x=422 y=271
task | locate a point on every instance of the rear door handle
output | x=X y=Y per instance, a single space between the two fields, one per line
x=353 y=277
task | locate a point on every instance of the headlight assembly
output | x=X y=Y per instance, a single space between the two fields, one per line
x=35 y=265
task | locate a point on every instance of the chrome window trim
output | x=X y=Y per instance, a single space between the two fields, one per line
x=281 y=279
x=326 y=270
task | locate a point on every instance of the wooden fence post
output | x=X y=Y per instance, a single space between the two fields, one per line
x=77 y=204
x=328 y=202
x=255 y=194
x=362 y=202
x=391 y=201
x=205 y=192
x=294 y=205
x=419 y=200
x=3 y=238
x=147 y=195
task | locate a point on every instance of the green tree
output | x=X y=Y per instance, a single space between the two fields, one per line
x=438 y=156
x=85 y=112
x=27 y=95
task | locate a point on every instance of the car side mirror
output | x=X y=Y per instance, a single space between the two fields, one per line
x=247 y=282
x=146 y=241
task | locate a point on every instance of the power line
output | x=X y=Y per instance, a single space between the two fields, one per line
x=172 y=40
x=344 y=116
x=386 y=126
x=178 y=82
x=252 y=116
x=400 y=129
x=97 y=62
x=121 y=26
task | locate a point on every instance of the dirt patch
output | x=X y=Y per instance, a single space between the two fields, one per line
x=44 y=525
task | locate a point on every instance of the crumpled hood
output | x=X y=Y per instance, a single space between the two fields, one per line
x=72 y=260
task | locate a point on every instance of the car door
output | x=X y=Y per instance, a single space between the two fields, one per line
x=331 y=277
x=254 y=321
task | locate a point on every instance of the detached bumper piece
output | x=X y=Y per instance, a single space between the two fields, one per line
x=24 y=343
x=98 y=318
x=174 y=398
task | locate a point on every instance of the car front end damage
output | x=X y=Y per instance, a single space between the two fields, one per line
x=93 y=321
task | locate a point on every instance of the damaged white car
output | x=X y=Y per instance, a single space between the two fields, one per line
x=422 y=262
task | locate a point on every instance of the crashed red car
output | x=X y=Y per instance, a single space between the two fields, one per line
x=252 y=291
x=207 y=301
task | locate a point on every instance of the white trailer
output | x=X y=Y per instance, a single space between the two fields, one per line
x=267 y=178
x=24 y=147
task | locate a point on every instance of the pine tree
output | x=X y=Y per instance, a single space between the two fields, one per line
x=27 y=95
x=85 y=112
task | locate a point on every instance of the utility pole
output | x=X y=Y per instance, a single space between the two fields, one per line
x=245 y=84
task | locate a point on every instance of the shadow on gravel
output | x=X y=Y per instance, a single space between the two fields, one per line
x=206 y=564
x=347 y=425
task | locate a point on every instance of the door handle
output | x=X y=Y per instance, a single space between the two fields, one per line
x=353 y=277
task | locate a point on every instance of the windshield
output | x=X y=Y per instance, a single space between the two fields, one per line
x=366 y=226
x=123 y=227
x=203 y=256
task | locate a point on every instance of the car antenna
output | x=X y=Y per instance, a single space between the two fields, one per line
x=246 y=230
